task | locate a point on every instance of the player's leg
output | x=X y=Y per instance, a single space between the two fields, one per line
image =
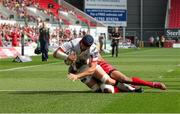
x=117 y=50
x=121 y=87
x=113 y=50
x=129 y=88
x=97 y=86
x=117 y=75
x=111 y=71
x=91 y=83
x=101 y=75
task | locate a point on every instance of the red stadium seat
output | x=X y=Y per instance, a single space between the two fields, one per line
x=174 y=14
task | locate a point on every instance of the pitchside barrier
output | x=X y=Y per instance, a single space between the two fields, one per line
x=11 y=52
x=20 y=58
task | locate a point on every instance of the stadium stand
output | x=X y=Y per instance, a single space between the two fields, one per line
x=174 y=15
x=24 y=17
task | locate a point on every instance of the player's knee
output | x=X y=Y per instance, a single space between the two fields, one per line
x=107 y=88
x=105 y=78
x=102 y=75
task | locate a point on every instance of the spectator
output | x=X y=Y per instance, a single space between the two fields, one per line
x=136 y=41
x=115 y=41
x=44 y=41
x=162 y=41
x=14 y=37
x=157 y=41
x=1 y=42
x=151 y=41
x=101 y=39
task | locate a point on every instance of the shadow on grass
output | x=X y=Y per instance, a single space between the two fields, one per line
x=49 y=92
x=75 y=92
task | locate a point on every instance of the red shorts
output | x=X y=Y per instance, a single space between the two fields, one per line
x=106 y=67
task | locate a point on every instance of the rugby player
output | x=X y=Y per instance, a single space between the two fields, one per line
x=119 y=76
x=84 y=50
x=77 y=52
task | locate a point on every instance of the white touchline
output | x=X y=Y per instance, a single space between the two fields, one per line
x=170 y=70
x=27 y=90
x=11 y=69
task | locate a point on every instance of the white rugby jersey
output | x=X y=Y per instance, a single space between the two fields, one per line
x=74 y=46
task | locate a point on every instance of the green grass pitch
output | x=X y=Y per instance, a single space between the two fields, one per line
x=42 y=87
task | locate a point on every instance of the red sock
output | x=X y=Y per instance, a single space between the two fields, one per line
x=138 y=81
x=116 y=89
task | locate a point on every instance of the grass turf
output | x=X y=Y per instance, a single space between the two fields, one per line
x=42 y=87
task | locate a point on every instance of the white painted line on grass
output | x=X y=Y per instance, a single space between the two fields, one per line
x=18 y=68
x=160 y=77
x=170 y=70
x=27 y=90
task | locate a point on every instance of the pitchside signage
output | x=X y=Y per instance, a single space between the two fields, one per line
x=109 y=12
x=172 y=32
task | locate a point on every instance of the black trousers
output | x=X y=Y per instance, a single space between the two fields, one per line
x=114 y=50
x=44 y=50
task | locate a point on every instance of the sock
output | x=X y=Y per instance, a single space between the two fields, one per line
x=116 y=89
x=138 y=81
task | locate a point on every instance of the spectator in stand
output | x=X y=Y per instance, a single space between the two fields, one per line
x=75 y=33
x=44 y=37
x=14 y=37
x=162 y=40
x=101 y=41
x=67 y=34
x=136 y=41
x=177 y=40
x=1 y=42
x=151 y=41
x=115 y=41
x=157 y=41
x=80 y=34
x=84 y=33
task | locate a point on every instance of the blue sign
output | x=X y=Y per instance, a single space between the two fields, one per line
x=107 y=15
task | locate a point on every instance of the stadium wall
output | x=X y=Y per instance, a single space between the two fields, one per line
x=154 y=13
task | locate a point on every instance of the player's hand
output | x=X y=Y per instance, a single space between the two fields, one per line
x=73 y=77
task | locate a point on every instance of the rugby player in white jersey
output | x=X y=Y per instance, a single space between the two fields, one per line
x=77 y=52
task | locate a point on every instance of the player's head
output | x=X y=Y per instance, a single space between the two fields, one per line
x=86 y=42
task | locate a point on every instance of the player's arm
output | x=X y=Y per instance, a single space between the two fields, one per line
x=92 y=65
x=61 y=52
